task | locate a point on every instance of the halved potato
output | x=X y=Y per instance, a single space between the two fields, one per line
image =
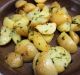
x=20 y=3
x=66 y=42
x=64 y=27
x=29 y=7
x=21 y=26
x=15 y=37
x=48 y=38
x=48 y=28
x=74 y=36
x=39 y=42
x=40 y=1
x=60 y=57
x=43 y=65
x=14 y=60
x=5 y=35
x=8 y=22
x=26 y=49
x=61 y=16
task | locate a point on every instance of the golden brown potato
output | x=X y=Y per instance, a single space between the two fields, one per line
x=14 y=60
x=61 y=16
x=40 y=1
x=43 y=65
x=26 y=49
x=64 y=27
x=20 y=3
x=29 y=7
x=75 y=27
x=65 y=41
x=39 y=42
x=74 y=36
x=41 y=5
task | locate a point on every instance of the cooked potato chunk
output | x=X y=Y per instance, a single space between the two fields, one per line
x=29 y=7
x=40 y=1
x=75 y=27
x=41 y=5
x=39 y=42
x=15 y=37
x=60 y=57
x=43 y=65
x=8 y=22
x=26 y=49
x=48 y=28
x=74 y=36
x=20 y=3
x=48 y=38
x=21 y=26
x=65 y=41
x=14 y=60
x=65 y=27
x=76 y=20
x=5 y=35
x=61 y=16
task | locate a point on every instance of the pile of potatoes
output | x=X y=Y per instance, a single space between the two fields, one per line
x=37 y=24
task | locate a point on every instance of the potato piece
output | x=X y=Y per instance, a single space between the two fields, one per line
x=41 y=17
x=55 y=6
x=21 y=26
x=41 y=5
x=29 y=7
x=20 y=3
x=16 y=17
x=39 y=42
x=65 y=41
x=74 y=36
x=15 y=37
x=5 y=35
x=8 y=22
x=61 y=16
x=14 y=60
x=48 y=38
x=22 y=12
x=43 y=65
x=75 y=27
x=26 y=49
x=60 y=57
x=40 y=1
x=76 y=20
x=48 y=28
x=65 y=27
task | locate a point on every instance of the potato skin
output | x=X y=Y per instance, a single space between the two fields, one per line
x=43 y=65
x=26 y=49
x=14 y=60
x=39 y=42
x=66 y=42
x=74 y=36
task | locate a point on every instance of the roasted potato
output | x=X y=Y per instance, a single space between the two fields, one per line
x=20 y=3
x=8 y=22
x=75 y=27
x=40 y=1
x=29 y=7
x=41 y=5
x=76 y=20
x=64 y=27
x=14 y=60
x=26 y=49
x=48 y=28
x=43 y=65
x=61 y=58
x=21 y=26
x=15 y=37
x=40 y=42
x=66 y=42
x=74 y=36
x=60 y=16
x=48 y=38
x=5 y=35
